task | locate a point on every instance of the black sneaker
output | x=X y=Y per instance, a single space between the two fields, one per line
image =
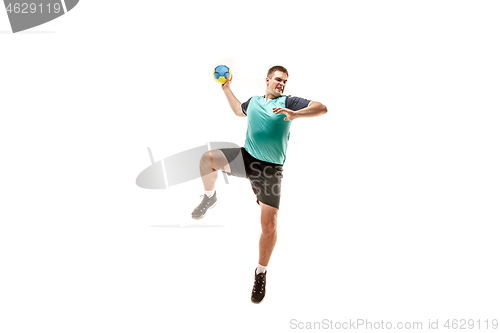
x=200 y=211
x=259 y=287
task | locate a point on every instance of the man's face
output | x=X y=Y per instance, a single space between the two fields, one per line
x=276 y=84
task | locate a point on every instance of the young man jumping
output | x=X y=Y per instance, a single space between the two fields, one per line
x=260 y=160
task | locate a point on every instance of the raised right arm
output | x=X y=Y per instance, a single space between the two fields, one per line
x=234 y=103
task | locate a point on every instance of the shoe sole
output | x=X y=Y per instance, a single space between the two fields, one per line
x=199 y=218
x=257 y=302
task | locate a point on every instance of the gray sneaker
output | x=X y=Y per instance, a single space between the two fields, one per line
x=200 y=211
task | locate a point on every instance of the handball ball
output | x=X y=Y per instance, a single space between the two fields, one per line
x=222 y=73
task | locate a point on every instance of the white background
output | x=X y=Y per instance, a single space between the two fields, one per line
x=390 y=201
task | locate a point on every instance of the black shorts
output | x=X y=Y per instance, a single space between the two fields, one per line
x=264 y=177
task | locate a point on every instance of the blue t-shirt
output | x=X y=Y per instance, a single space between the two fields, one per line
x=267 y=133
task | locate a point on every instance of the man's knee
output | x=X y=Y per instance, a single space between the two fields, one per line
x=215 y=160
x=269 y=220
x=205 y=160
x=269 y=227
x=211 y=159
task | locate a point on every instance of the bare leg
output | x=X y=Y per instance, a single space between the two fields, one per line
x=213 y=159
x=268 y=237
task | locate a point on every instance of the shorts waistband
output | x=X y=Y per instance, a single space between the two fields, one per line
x=261 y=161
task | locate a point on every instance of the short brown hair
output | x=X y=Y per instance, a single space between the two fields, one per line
x=273 y=69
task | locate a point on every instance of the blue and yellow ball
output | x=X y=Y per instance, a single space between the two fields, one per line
x=222 y=73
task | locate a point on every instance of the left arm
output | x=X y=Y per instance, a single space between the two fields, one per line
x=314 y=109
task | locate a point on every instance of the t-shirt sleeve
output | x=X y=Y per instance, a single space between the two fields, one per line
x=244 y=106
x=296 y=103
